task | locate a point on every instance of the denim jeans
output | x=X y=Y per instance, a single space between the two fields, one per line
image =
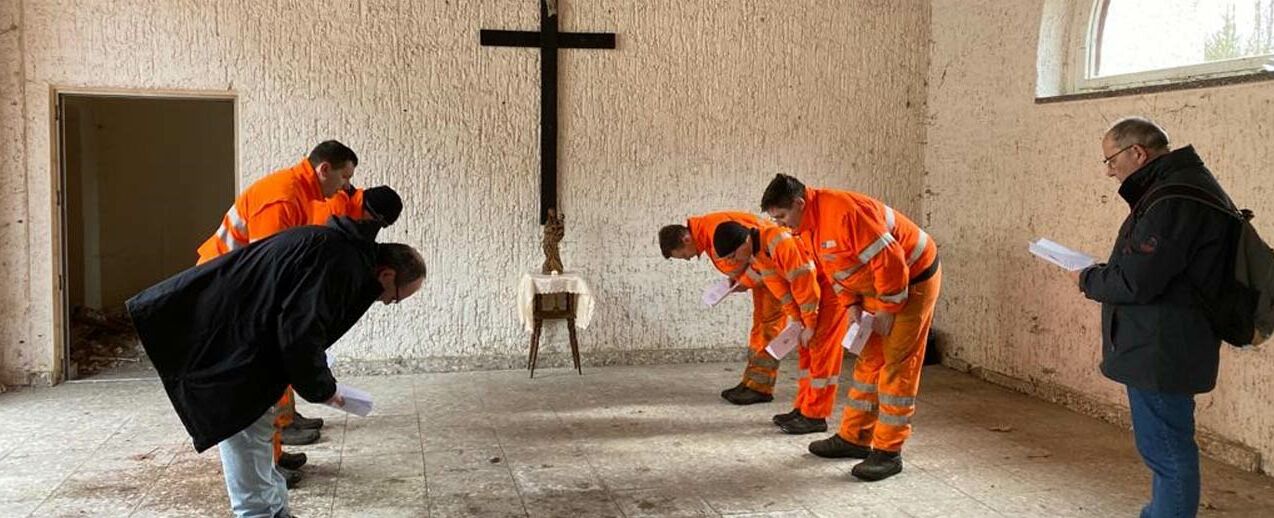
x=1163 y=425
x=256 y=488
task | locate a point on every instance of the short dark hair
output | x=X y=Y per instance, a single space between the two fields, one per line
x=333 y=153
x=728 y=237
x=670 y=238
x=782 y=192
x=1138 y=130
x=404 y=260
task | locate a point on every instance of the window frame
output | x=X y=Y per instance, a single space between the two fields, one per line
x=1090 y=49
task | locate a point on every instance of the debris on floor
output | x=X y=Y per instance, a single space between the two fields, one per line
x=101 y=340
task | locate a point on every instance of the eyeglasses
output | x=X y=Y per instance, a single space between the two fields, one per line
x=1112 y=157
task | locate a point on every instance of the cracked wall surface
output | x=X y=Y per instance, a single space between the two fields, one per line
x=1001 y=171
x=698 y=107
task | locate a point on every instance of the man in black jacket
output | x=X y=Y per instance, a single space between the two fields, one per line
x=1168 y=260
x=228 y=336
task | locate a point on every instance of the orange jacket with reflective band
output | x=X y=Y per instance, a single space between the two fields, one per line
x=286 y=198
x=340 y=204
x=783 y=264
x=701 y=230
x=864 y=248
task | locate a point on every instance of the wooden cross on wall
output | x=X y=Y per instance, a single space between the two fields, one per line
x=548 y=40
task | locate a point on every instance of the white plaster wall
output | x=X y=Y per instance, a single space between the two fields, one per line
x=1001 y=170
x=18 y=355
x=701 y=104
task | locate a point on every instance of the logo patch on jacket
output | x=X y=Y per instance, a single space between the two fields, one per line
x=1148 y=246
x=829 y=244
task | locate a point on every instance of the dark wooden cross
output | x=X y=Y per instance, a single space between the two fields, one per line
x=548 y=40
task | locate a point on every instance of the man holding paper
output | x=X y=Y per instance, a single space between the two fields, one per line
x=228 y=336
x=1169 y=262
x=692 y=240
x=782 y=263
x=878 y=260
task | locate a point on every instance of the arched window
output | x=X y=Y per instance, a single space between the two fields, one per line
x=1147 y=42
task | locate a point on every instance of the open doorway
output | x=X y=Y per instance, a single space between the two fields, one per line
x=144 y=180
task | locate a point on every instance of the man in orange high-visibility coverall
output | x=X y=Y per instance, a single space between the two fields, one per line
x=782 y=263
x=693 y=240
x=877 y=260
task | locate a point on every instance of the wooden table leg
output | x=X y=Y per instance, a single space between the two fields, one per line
x=535 y=345
x=570 y=325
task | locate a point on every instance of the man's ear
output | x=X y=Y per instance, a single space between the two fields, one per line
x=386 y=275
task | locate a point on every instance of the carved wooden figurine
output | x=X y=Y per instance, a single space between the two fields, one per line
x=554 y=231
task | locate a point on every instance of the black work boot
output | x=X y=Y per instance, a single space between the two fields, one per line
x=879 y=465
x=835 y=447
x=306 y=423
x=742 y=395
x=292 y=460
x=727 y=393
x=780 y=418
x=297 y=437
x=802 y=425
x=292 y=476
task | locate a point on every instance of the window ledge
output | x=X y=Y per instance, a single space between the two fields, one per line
x=1189 y=84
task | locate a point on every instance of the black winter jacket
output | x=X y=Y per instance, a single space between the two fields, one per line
x=228 y=336
x=1165 y=264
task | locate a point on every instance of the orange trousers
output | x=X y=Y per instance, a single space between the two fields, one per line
x=768 y=321
x=287 y=407
x=882 y=394
x=820 y=362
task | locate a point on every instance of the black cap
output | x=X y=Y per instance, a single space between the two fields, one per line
x=382 y=204
x=728 y=237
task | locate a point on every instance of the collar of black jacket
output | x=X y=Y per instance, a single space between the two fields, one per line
x=355 y=229
x=1140 y=181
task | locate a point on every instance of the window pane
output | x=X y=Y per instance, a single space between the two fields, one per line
x=1141 y=35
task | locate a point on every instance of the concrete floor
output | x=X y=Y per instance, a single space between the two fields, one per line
x=620 y=441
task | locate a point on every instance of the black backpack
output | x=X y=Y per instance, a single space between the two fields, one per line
x=1243 y=311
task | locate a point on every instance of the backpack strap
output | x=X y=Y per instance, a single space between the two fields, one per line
x=1188 y=192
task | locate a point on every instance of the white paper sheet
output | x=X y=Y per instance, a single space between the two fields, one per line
x=718 y=291
x=858 y=333
x=786 y=340
x=1059 y=255
x=357 y=402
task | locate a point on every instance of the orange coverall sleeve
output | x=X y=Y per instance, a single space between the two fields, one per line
x=797 y=270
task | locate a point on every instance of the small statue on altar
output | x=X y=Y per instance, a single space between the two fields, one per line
x=554 y=231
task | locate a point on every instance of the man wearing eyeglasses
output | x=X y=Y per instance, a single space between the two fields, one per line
x=229 y=336
x=1169 y=260
x=310 y=192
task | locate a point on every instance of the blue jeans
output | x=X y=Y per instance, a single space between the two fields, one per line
x=1163 y=425
x=256 y=489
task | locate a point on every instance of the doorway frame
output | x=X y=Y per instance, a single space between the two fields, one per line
x=57 y=171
